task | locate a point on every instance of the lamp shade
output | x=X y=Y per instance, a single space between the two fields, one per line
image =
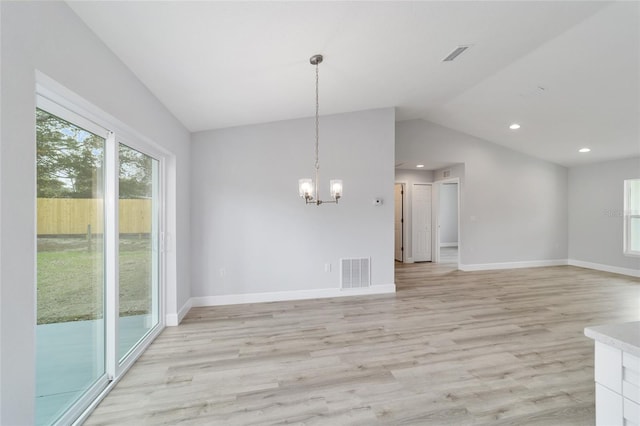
x=305 y=188
x=336 y=188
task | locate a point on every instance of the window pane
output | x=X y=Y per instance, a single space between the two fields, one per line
x=70 y=264
x=138 y=261
x=634 y=196
x=634 y=234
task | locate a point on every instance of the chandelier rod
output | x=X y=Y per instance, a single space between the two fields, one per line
x=305 y=186
x=317 y=118
x=317 y=61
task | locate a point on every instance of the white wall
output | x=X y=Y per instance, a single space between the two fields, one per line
x=48 y=36
x=252 y=233
x=596 y=204
x=513 y=207
x=448 y=215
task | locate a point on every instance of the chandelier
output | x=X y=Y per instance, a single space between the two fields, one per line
x=307 y=188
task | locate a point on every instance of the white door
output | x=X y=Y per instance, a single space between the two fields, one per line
x=399 y=219
x=421 y=214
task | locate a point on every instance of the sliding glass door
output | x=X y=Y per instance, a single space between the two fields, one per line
x=70 y=260
x=98 y=259
x=138 y=247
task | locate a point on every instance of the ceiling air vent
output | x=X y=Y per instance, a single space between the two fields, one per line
x=456 y=52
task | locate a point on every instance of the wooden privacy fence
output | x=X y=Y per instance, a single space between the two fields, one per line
x=73 y=216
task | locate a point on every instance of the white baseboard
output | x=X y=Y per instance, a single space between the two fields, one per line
x=454 y=244
x=552 y=262
x=512 y=265
x=175 y=319
x=605 y=268
x=409 y=260
x=279 y=296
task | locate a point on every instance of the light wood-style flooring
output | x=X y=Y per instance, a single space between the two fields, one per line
x=450 y=347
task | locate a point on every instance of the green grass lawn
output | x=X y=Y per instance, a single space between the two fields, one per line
x=71 y=277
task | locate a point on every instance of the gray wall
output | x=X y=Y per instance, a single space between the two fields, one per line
x=596 y=198
x=48 y=36
x=513 y=207
x=455 y=171
x=414 y=176
x=252 y=233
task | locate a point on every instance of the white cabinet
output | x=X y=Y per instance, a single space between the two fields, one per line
x=617 y=376
x=631 y=377
x=630 y=412
x=608 y=362
x=608 y=407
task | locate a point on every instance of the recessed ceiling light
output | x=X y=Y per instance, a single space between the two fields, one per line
x=583 y=150
x=514 y=126
x=420 y=166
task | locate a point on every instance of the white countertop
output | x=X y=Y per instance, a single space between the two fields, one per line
x=625 y=336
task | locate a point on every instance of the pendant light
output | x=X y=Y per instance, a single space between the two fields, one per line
x=307 y=188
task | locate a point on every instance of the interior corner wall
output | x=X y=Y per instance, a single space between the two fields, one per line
x=252 y=233
x=50 y=38
x=596 y=206
x=513 y=207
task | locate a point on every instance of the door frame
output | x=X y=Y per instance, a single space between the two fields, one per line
x=58 y=100
x=436 y=219
x=405 y=197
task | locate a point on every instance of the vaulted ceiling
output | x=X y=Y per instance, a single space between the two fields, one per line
x=567 y=72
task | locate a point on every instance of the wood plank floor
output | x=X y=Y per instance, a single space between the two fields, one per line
x=450 y=347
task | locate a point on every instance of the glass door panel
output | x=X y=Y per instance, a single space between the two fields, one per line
x=70 y=332
x=138 y=247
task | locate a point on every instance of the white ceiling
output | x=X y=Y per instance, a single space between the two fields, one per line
x=568 y=72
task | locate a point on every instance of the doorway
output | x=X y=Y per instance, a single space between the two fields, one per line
x=447 y=239
x=99 y=263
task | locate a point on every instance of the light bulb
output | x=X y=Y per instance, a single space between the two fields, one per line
x=336 y=188
x=305 y=188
